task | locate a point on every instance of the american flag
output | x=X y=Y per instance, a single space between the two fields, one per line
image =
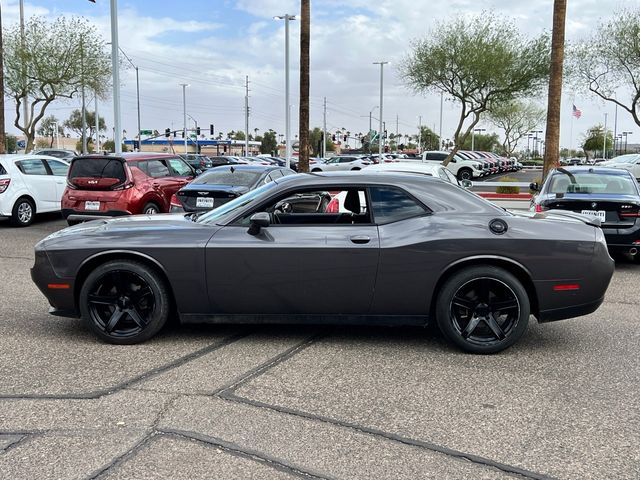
x=577 y=112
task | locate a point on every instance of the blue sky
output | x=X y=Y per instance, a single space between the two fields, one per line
x=213 y=44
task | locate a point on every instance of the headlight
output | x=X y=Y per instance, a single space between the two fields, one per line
x=477 y=166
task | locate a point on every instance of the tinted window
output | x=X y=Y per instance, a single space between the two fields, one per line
x=228 y=177
x=157 y=169
x=2 y=170
x=32 y=167
x=98 y=167
x=180 y=167
x=392 y=204
x=435 y=156
x=59 y=169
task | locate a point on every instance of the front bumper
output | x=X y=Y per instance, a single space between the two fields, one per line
x=58 y=291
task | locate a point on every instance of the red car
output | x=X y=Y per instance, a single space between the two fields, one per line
x=127 y=184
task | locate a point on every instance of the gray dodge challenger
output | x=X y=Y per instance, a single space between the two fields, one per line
x=357 y=248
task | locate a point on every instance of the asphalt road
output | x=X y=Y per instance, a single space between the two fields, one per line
x=297 y=401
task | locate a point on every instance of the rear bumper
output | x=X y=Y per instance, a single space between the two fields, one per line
x=569 y=312
x=66 y=212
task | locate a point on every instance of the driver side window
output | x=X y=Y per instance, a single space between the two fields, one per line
x=342 y=206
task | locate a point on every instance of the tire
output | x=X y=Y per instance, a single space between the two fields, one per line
x=150 y=208
x=124 y=302
x=465 y=174
x=23 y=213
x=483 y=309
x=355 y=169
x=316 y=170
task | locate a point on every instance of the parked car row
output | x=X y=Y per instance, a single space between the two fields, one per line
x=467 y=165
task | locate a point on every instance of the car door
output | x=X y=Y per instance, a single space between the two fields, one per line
x=162 y=180
x=313 y=268
x=59 y=170
x=40 y=184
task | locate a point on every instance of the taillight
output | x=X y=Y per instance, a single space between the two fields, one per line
x=71 y=185
x=174 y=201
x=627 y=214
x=4 y=184
x=540 y=208
x=334 y=206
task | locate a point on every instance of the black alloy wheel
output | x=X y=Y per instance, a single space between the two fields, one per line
x=23 y=213
x=124 y=302
x=483 y=309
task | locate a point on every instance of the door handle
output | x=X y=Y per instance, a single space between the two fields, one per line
x=360 y=239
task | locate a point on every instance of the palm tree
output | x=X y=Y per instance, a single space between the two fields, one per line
x=552 y=137
x=305 y=34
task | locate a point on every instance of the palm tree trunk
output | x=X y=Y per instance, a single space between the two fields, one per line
x=552 y=138
x=305 y=34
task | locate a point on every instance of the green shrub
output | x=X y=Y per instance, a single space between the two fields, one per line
x=510 y=190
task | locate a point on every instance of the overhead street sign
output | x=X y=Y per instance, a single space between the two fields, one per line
x=146 y=132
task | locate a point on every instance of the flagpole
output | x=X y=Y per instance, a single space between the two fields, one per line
x=571 y=130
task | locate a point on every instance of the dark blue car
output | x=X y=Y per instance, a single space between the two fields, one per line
x=609 y=194
x=219 y=185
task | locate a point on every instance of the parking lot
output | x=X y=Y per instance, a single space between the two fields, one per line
x=312 y=402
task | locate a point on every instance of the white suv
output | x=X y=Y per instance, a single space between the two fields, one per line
x=30 y=184
x=346 y=162
x=461 y=167
x=629 y=162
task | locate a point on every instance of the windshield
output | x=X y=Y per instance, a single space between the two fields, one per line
x=624 y=159
x=591 y=183
x=228 y=177
x=230 y=208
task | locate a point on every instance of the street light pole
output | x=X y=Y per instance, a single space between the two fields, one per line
x=473 y=137
x=287 y=129
x=604 y=147
x=382 y=64
x=25 y=110
x=115 y=67
x=184 y=112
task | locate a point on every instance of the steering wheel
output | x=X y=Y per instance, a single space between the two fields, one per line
x=283 y=207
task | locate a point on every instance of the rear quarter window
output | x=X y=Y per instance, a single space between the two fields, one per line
x=3 y=171
x=32 y=167
x=392 y=204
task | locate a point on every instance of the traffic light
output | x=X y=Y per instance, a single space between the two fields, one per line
x=211 y=129
x=198 y=131
x=344 y=138
x=182 y=133
x=385 y=134
x=333 y=138
x=167 y=132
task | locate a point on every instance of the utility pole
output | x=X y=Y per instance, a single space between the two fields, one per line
x=25 y=110
x=3 y=142
x=604 y=147
x=184 y=112
x=382 y=64
x=137 y=94
x=324 y=130
x=287 y=110
x=246 y=116
x=440 y=131
x=97 y=144
x=419 y=133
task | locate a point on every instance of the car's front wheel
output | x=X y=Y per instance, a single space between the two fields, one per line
x=124 y=302
x=483 y=309
x=151 y=209
x=465 y=174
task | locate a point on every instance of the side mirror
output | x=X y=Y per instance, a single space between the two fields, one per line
x=466 y=183
x=258 y=221
x=534 y=187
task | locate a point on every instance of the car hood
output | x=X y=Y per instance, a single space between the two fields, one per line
x=128 y=224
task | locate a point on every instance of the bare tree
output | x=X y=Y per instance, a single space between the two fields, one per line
x=517 y=119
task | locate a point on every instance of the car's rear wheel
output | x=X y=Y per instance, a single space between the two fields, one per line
x=316 y=170
x=23 y=213
x=124 y=302
x=483 y=309
x=151 y=208
x=355 y=169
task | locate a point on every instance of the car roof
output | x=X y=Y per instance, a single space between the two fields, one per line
x=13 y=158
x=429 y=167
x=591 y=169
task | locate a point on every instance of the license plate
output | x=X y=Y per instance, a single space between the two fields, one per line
x=92 y=205
x=601 y=214
x=202 y=202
